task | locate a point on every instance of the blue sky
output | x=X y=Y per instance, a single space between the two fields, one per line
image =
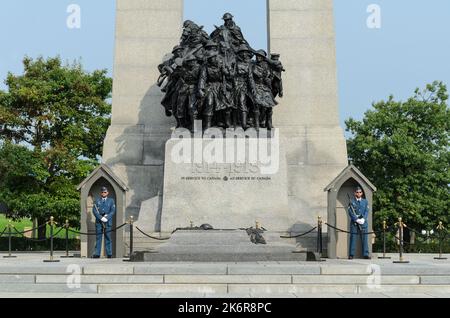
x=409 y=50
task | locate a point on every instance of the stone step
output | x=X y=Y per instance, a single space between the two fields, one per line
x=178 y=255
x=435 y=274
x=164 y=288
x=244 y=288
x=47 y=288
x=101 y=279
x=272 y=289
x=337 y=288
x=228 y=279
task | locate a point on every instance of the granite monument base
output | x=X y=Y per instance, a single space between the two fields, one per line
x=223 y=246
x=229 y=183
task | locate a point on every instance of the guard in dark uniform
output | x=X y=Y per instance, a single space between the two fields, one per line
x=104 y=210
x=358 y=211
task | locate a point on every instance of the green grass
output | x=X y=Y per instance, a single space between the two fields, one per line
x=20 y=225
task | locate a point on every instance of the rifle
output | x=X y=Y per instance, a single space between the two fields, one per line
x=103 y=223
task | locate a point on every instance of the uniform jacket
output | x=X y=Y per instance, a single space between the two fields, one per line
x=105 y=207
x=361 y=208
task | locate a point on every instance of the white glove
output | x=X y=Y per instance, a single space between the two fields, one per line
x=104 y=219
x=360 y=221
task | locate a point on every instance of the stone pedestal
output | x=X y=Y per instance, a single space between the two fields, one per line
x=225 y=195
x=223 y=246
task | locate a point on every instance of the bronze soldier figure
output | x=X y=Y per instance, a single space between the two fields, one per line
x=263 y=98
x=213 y=86
x=192 y=30
x=229 y=34
x=187 y=102
x=277 y=69
x=170 y=75
x=244 y=85
x=213 y=77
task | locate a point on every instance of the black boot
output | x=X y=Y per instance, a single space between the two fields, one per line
x=269 y=120
x=180 y=122
x=192 y=118
x=208 y=122
x=228 y=119
x=244 y=120
x=184 y=122
x=263 y=119
x=256 y=121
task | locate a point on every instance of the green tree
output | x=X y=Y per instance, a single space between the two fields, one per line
x=403 y=147
x=53 y=120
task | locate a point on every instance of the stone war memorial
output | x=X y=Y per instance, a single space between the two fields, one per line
x=216 y=145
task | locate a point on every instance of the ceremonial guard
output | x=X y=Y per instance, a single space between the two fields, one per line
x=358 y=211
x=104 y=210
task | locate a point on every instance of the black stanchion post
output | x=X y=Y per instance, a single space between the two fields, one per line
x=66 y=226
x=131 y=236
x=319 y=239
x=9 y=241
x=384 y=242
x=51 y=260
x=401 y=225
x=131 y=239
x=440 y=229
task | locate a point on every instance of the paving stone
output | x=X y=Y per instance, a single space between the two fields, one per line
x=18 y=279
x=163 y=288
x=102 y=279
x=227 y=279
x=278 y=269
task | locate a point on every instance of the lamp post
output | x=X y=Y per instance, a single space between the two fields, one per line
x=428 y=233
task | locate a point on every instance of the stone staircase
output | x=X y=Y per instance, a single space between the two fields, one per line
x=28 y=276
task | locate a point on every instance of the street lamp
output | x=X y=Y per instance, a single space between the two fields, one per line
x=428 y=234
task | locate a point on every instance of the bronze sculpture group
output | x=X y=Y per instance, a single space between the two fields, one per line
x=214 y=78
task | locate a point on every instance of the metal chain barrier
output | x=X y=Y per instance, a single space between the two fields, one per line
x=32 y=239
x=300 y=235
x=441 y=234
x=33 y=229
x=152 y=237
x=344 y=231
x=95 y=233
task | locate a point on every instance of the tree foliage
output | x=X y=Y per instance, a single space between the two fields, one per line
x=53 y=120
x=403 y=147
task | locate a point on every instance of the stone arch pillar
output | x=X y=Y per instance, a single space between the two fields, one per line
x=343 y=184
x=90 y=190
